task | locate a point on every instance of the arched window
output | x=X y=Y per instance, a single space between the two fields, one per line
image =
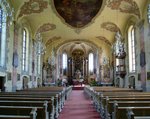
x=38 y=64
x=2 y=38
x=91 y=62
x=64 y=61
x=131 y=48
x=148 y=13
x=1 y=17
x=25 y=50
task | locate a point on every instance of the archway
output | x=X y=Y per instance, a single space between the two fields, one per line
x=77 y=63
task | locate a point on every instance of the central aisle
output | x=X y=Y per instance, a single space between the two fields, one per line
x=78 y=106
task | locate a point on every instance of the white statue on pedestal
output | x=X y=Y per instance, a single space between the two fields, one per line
x=78 y=74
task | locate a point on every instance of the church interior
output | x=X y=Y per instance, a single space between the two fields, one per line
x=53 y=51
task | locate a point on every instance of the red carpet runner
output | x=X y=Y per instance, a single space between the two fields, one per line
x=78 y=106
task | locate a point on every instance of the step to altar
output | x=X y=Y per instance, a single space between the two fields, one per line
x=77 y=88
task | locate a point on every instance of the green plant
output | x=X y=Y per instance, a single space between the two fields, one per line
x=59 y=82
x=93 y=83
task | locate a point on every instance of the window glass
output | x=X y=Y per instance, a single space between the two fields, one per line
x=131 y=47
x=25 y=50
x=91 y=63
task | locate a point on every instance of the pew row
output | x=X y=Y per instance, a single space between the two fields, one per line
x=104 y=97
x=55 y=98
x=55 y=103
x=18 y=112
x=110 y=106
x=123 y=113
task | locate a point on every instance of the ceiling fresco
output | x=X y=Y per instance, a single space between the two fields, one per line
x=125 y=6
x=33 y=6
x=110 y=26
x=46 y=27
x=78 y=13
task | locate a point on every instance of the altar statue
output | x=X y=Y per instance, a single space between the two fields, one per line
x=79 y=78
x=78 y=74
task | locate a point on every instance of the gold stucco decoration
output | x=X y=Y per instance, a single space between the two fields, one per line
x=104 y=40
x=33 y=6
x=125 y=6
x=110 y=26
x=52 y=39
x=46 y=27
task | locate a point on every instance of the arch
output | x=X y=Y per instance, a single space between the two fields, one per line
x=131 y=81
x=39 y=83
x=119 y=82
x=25 y=80
x=90 y=43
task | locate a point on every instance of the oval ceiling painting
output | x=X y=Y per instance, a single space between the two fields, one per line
x=78 y=13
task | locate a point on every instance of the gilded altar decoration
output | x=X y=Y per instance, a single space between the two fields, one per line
x=33 y=6
x=78 y=13
x=46 y=27
x=104 y=40
x=110 y=26
x=125 y=6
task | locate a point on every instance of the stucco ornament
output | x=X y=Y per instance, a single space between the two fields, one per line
x=33 y=6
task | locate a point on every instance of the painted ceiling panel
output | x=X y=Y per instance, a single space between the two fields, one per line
x=78 y=13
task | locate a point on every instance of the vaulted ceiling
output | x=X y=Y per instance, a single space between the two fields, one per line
x=62 y=21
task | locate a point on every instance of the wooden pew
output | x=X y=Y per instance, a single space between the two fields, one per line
x=41 y=113
x=59 y=98
x=65 y=91
x=102 y=101
x=99 y=98
x=141 y=117
x=50 y=107
x=95 y=93
x=104 y=96
x=132 y=115
x=120 y=112
x=41 y=94
x=106 y=112
x=110 y=109
x=56 y=104
x=18 y=112
x=113 y=89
